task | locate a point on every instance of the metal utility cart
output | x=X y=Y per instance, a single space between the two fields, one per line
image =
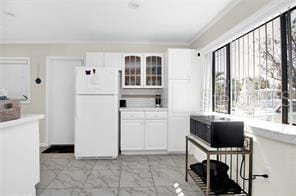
x=239 y=160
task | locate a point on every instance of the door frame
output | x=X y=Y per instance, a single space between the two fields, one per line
x=47 y=85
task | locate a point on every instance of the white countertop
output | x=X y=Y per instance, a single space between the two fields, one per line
x=143 y=109
x=276 y=131
x=24 y=119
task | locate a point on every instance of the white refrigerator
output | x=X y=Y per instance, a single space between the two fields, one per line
x=96 y=108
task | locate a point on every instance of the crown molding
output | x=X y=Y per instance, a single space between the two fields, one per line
x=102 y=42
x=271 y=10
x=222 y=13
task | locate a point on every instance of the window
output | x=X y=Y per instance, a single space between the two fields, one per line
x=221 y=87
x=255 y=74
x=15 y=77
x=291 y=46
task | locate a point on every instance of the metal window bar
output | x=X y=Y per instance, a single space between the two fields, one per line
x=283 y=60
x=221 y=102
x=290 y=65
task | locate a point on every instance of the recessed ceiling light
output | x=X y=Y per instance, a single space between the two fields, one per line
x=133 y=4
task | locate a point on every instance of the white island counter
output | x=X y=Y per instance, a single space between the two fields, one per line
x=19 y=156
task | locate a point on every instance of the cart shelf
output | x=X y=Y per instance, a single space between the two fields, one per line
x=232 y=157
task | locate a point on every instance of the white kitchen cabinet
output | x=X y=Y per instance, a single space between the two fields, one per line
x=94 y=59
x=132 y=135
x=178 y=96
x=155 y=134
x=100 y=59
x=179 y=63
x=178 y=129
x=132 y=74
x=113 y=60
x=153 y=70
x=133 y=115
x=142 y=70
x=143 y=130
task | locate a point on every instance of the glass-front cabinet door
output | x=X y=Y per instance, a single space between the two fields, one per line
x=153 y=71
x=132 y=72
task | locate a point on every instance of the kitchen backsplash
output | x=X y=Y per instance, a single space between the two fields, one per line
x=140 y=102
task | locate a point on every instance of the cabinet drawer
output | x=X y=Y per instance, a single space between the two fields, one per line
x=156 y=115
x=132 y=115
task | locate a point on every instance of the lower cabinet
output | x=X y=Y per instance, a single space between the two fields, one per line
x=148 y=133
x=156 y=134
x=132 y=135
x=179 y=128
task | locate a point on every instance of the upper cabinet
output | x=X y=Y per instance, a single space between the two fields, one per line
x=153 y=71
x=112 y=59
x=179 y=61
x=139 y=70
x=100 y=59
x=132 y=71
x=142 y=71
x=94 y=59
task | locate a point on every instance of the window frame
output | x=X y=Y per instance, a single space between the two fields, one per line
x=25 y=61
x=285 y=17
x=228 y=87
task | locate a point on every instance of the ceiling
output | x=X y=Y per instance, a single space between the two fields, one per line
x=66 y=21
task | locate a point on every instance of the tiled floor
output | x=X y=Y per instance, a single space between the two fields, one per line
x=149 y=175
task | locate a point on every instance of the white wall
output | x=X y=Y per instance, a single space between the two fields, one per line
x=195 y=83
x=240 y=12
x=38 y=53
x=278 y=160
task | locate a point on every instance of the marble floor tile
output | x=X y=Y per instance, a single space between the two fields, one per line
x=57 y=155
x=137 y=191
x=137 y=177
x=168 y=177
x=46 y=177
x=69 y=179
x=132 y=161
x=54 y=163
x=179 y=160
x=44 y=156
x=172 y=191
x=39 y=191
x=132 y=158
x=84 y=165
x=190 y=181
x=108 y=164
x=129 y=175
x=160 y=161
x=102 y=179
x=60 y=192
x=195 y=187
x=158 y=157
x=99 y=192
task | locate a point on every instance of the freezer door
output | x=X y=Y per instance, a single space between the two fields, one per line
x=96 y=126
x=96 y=80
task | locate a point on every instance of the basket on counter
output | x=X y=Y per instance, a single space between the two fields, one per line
x=9 y=110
